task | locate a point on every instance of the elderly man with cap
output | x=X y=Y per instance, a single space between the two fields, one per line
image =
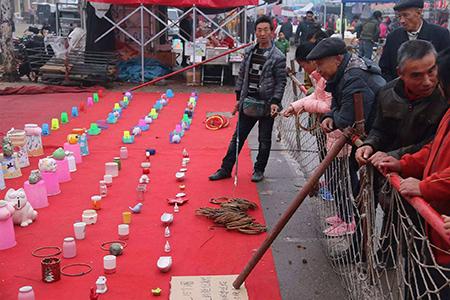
x=413 y=27
x=346 y=74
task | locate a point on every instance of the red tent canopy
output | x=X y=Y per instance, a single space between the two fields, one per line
x=185 y=3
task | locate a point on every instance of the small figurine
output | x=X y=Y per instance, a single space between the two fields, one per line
x=84 y=148
x=137 y=208
x=47 y=164
x=156 y=292
x=164 y=263
x=136 y=131
x=59 y=154
x=111 y=118
x=167 y=232
x=7 y=147
x=144 y=179
x=24 y=213
x=127 y=138
x=166 y=218
x=143 y=125
x=35 y=177
x=148 y=119
x=101 y=285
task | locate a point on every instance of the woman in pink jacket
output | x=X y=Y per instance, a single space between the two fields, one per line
x=319 y=102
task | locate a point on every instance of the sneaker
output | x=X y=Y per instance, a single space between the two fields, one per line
x=257 y=176
x=340 y=229
x=325 y=194
x=334 y=220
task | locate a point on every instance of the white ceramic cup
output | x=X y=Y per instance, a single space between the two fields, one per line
x=123 y=230
x=108 y=179
x=80 y=230
x=109 y=264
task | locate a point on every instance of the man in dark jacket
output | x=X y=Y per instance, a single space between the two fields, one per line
x=259 y=87
x=413 y=27
x=368 y=34
x=287 y=28
x=346 y=74
x=409 y=108
x=305 y=28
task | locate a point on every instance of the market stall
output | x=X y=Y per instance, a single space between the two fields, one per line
x=155 y=26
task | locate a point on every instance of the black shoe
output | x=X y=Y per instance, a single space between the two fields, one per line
x=220 y=174
x=257 y=176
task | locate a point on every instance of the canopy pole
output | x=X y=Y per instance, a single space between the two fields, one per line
x=194 y=42
x=142 y=43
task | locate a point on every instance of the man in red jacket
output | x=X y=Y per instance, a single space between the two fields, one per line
x=427 y=175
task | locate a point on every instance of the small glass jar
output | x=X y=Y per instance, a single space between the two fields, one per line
x=26 y=293
x=103 y=188
x=69 y=248
x=118 y=162
x=123 y=153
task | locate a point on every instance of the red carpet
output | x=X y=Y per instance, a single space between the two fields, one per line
x=197 y=249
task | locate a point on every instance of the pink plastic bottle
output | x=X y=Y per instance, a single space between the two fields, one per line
x=7 y=235
x=69 y=248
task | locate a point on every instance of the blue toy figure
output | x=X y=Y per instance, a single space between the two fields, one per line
x=83 y=141
x=111 y=118
x=74 y=111
x=45 y=129
x=169 y=94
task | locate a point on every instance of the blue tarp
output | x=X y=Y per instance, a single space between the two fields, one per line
x=130 y=70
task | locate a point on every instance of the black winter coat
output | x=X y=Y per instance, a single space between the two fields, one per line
x=438 y=36
x=354 y=75
x=287 y=29
x=403 y=126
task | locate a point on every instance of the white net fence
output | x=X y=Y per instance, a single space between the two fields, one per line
x=373 y=238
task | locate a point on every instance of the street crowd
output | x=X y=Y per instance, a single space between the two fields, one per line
x=405 y=102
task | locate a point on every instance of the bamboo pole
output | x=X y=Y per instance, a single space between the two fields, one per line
x=302 y=194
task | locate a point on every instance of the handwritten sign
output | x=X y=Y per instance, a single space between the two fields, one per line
x=206 y=288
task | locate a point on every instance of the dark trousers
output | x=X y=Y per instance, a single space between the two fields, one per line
x=246 y=123
x=366 y=48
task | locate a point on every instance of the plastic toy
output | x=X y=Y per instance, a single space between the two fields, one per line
x=94 y=129
x=64 y=118
x=55 y=124
x=127 y=138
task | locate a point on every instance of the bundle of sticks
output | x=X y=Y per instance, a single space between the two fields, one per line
x=232 y=214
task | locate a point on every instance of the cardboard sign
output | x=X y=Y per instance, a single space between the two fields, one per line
x=206 y=288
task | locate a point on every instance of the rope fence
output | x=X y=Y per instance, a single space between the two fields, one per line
x=375 y=240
